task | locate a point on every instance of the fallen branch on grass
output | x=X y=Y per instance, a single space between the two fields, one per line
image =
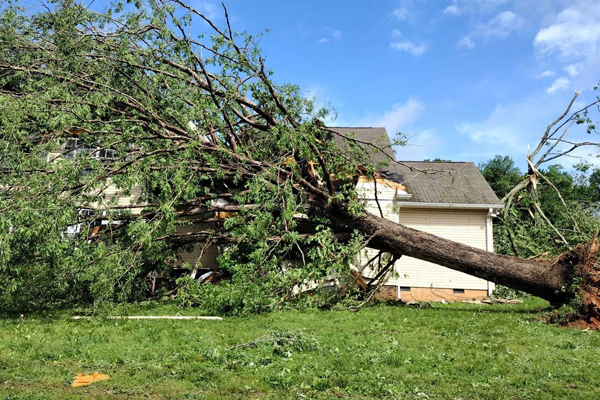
x=154 y=317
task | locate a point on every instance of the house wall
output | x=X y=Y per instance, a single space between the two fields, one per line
x=112 y=195
x=207 y=256
x=428 y=281
x=115 y=196
x=389 y=208
x=463 y=226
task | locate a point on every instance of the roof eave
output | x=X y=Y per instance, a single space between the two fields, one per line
x=418 y=204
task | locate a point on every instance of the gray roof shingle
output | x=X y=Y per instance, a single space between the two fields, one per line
x=445 y=182
x=376 y=136
x=428 y=182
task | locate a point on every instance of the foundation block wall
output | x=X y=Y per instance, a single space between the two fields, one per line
x=430 y=294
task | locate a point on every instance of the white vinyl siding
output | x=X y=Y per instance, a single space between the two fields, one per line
x=387 y=208
x=113 y=195
x=386 y=196
x=463 y=226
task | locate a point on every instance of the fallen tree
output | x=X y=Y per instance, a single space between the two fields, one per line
x=97 y=107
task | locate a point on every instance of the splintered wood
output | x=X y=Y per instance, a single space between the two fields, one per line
x=86 y=380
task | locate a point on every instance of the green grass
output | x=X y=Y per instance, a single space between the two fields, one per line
x=455 y=351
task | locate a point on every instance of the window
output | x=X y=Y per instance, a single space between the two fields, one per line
x=74 y=146
x=405 y=288
x=458 y=291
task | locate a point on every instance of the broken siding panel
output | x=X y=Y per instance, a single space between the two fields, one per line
x=370 y=272
x=112 y=194
x=131 y=199
x=463 y=226
x=54 y=155
x=208 y=259
x=386 y=196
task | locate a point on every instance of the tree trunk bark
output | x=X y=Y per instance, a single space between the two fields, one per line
x=543 y=278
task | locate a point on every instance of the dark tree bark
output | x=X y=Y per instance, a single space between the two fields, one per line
x=545 y=278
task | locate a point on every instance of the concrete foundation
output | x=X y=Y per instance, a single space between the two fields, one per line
x=430 y=294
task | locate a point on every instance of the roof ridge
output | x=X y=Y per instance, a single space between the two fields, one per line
x=437 y=162
x=358 y=127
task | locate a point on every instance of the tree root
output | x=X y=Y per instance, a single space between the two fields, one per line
x=589 y=290
x=584 y=259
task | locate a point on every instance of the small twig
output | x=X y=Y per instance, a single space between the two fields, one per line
x=541 y=213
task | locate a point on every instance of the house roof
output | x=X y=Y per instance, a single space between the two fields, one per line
x=458 y=183
x=431 y=183
x=376 y=136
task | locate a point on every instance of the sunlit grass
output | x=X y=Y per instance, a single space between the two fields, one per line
x=445 y=352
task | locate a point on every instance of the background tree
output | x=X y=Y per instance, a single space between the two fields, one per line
x=129 y=99
x=568 y=201
x=501 y=173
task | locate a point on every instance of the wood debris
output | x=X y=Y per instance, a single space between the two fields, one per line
x=492 y=300
x=153 y=317
x=86 y=380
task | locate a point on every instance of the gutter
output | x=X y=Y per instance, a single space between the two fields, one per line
x=417 y=204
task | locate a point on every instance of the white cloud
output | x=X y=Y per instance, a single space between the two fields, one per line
x=574 y=34
x=511 y=127
x=208 y=7
x=569 y=40
x=499 y=27
x=422 y=145
x=559 y=84
x=573 y=69
x=401 y=13
x=462 y=7
x=452 y=10
x=322 y=97
x=544 y=74
x=465 y=42
x=410 y=47
x=486 y=133
x=396 y=33
x=333 y=35
x=400 y=118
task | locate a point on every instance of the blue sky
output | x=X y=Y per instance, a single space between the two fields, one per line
x=465 y=79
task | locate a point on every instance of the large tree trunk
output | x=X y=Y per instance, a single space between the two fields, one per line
x=546 y=278
x=535 y=277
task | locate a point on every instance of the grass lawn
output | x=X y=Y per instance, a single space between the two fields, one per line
x=455 y=351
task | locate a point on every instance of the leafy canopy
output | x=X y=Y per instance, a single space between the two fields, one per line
x=120 y=128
